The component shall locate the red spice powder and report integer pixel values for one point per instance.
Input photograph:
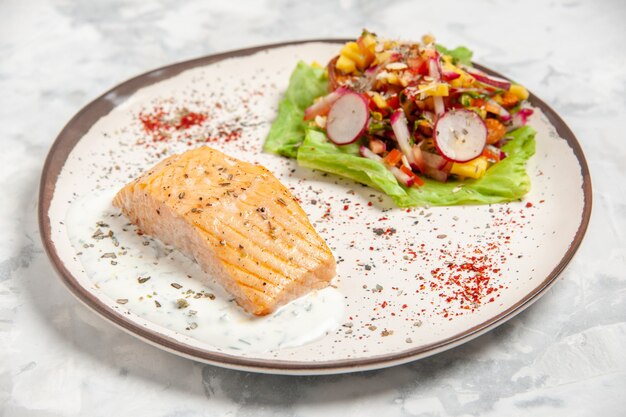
(467, 279)
(159, 124)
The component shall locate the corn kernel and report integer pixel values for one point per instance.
(392, 78)
(464, 81)
(345, 65)
(352, 51)
(369, 42)
(475, 168)
(439, 89)
(382, 57)
(428, 38)
(380, 102)
(390, 44)
(519, 91)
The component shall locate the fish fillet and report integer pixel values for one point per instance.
(241, 225)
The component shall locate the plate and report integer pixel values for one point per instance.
(410, 283)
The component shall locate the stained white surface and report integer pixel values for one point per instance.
(563, 357)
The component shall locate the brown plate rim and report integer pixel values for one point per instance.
(88, 115)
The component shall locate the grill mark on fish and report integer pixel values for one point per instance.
(262, 249)
(290, 265)
(265, 258)
(307, 237)
(272, 284)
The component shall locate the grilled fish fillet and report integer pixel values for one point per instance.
(241, 225)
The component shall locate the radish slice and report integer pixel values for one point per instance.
(524, 114)
(347, 118)
(460, 135)
(322, 106)
(404, 178)
(400, 128)
(488, 79)
(520, 118)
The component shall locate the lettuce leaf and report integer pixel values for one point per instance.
(504, 181)
(460, 54)
(291, 136)
(318, 152)
(287, 131)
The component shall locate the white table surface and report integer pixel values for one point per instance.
(565, 356)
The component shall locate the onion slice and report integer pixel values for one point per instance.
(435, 73)
(322, 106)
(504, 114)
(487, 79)
(404, 178)
(400, 128)
(460, 135)
(347, 118)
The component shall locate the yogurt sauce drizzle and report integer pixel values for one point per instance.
(207, 313)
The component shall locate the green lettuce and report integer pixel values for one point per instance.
(288, 130)
(291, 136)
(460, 54)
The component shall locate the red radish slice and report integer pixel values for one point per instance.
(460, 135)
(400, 128)
(524, 114)
(322, 106)
(488, 79)
(347, 118)
(520, 118)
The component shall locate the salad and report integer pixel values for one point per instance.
(414, 120)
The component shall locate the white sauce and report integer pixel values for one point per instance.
(217, 321)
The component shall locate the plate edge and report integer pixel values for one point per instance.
(71, 134)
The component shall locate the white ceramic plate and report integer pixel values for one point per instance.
(403, 286)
